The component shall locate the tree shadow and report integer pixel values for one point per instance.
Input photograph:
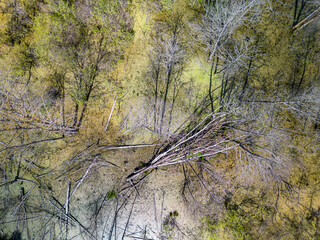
(16, 235)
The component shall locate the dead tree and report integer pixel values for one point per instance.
(216, 33)
(305, 12)
(162, 81)
(251, 134)
(89, 43)
(26, 109)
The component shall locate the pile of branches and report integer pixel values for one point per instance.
(207, 139)
(252, 133)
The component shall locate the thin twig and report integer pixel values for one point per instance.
(114, 103)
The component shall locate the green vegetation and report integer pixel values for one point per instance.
(111, 194)
(222, 98)
(231, 226)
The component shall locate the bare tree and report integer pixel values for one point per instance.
(91, 40)
(28, 109)
(163, 83)
(252, 134)
(217, 31)
(305, 12)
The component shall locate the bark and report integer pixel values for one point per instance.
(75, 118)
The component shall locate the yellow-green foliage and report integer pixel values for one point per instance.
(57, 43)
(231, 226)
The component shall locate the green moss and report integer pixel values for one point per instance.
(232, 226)
(111, 194)
(168, 232)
